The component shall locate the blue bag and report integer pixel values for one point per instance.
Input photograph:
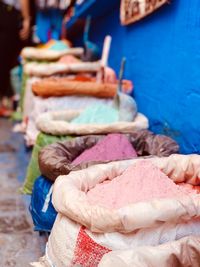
(41, 208)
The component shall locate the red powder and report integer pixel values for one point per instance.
(112, 147)
(140, 182)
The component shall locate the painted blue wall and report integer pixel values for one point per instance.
(163, 60)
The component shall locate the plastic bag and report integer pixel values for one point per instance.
(126, 106)
(33, 169)
(41, 208)
(56, 159)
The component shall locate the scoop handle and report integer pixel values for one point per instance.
(87, 29)
(121, 74)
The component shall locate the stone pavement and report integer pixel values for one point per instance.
(19, 245)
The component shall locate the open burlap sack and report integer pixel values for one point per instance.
(58, 123)
(84, 233)
(49, 69)
(56, 159)
(71, 86)
(38, 106)
(64, 87)
(71, 189)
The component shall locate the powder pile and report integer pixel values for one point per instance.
(58, 46)
(112, 147)
(100, 114)
(141, 182)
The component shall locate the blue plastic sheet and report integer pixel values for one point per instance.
(41, 208)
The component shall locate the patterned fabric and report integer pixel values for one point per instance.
(46, 4)
(14, 3)
(87, 252)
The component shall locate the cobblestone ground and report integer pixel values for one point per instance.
(19, 245)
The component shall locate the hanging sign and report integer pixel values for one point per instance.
(133, 10)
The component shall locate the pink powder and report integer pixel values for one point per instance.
(112, 147)
(140, 182)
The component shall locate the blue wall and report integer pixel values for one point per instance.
(163, 60)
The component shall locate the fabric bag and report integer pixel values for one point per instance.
(56, 159)
(58, 123)
(41, 54)
(33, 169)
(41, 105)
(52, 68)
(182, 253)
(144, 142)
(84, 233)
(75, 86)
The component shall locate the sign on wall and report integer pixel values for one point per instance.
(133, 10)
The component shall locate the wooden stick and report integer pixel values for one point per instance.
(106, 51)
(104, 58)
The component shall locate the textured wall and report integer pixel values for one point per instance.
(163, 60)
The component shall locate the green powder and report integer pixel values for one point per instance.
(58, 46)
(100, 114)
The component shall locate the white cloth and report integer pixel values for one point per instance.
(14, 3)
(61, 4)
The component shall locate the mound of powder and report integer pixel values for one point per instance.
(112, 147)
(58, 46)
(100, 114)
(141, 182)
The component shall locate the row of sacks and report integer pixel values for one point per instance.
(91, 245)
(67, 149)
(61, 158)
(35, 105)
(145, 232)
(52, 56)
(59, 125)
(126, 117)
(59, 80)
(114, 191)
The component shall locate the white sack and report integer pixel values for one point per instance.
(58, 123)
(182, 253)
(123, 230)
(49, 69)
(47, 54)
(41, 105)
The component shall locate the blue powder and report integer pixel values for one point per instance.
(100, 114)
(58, 46)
